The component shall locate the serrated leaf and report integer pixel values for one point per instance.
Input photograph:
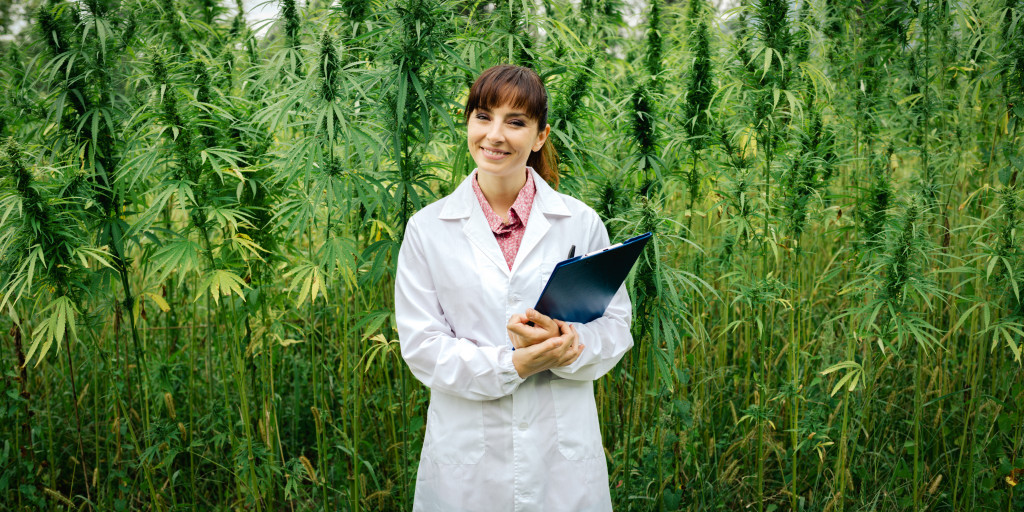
(60, 321)
(222, 282)
(160, 302)
(842, 381)
(309, 280)
(98, 255)
(840, 366)
(251, 247)
(179, 256)
(307, 283)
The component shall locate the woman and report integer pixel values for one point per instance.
(512, 423)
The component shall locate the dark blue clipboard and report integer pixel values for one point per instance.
(580, 288)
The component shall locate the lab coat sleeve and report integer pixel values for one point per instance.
(442, 362)
(606, 339)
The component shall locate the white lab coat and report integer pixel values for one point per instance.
(495, 442)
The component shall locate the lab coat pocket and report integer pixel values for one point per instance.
(547, 267)
(579, 435)
(545, 274)
(455, 430)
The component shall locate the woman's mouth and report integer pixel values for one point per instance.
(493, 154)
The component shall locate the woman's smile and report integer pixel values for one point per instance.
(501, 140)
(494, 154)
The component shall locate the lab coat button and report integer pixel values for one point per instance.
(523, 426)
(514, 298)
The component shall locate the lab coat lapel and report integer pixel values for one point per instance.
(463, 204)
(481, 236)
(536, 228)
(546, 202)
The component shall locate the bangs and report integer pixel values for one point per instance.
(517, 87)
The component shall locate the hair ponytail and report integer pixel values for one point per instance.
(545, 162)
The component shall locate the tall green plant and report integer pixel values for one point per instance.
(644, 133)
(654, 52)
(772, 107)
(84, 51)
(874, 205)
(697, 111)
(568, 116)
(417, 43)
(45, 233)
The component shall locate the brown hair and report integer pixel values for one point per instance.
(519, 88)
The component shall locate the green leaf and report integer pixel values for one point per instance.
(840, 366)
(1005, 174)
(180, 256)
(85, 254)
(1010, 343)
(53, 328)
(160, 302)
(309, 279)
(850, 379)
(222, 282)
(842, 381)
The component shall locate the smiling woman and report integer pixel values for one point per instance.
(512, 423)
(511, 102)
(501, 140)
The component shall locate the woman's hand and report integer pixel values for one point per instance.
(524, 335)
(561, 350)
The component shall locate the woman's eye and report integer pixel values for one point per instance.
(518, 123)
(481, 117)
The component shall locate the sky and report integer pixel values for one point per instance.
(259, 12)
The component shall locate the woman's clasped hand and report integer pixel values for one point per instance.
(548, 343)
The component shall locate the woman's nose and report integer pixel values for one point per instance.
(495, 133)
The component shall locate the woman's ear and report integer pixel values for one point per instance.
(542, 137)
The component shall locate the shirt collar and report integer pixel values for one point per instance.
(518, 214)
(461, 203)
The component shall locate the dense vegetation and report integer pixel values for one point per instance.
(199, 221)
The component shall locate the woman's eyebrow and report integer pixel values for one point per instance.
(510, 114)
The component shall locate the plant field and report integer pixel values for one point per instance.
(200, 218)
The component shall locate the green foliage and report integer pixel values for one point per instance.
(199, 222)
(292, 23)
(875, 203)
(655, 46)
(644, 125)
(810, 173)
(701, 88)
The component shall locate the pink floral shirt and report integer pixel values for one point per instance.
(509, 235)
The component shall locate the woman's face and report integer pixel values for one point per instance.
(501, 140)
